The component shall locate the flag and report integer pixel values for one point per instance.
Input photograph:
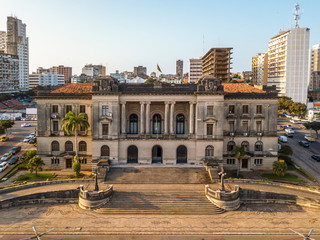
(158, 69)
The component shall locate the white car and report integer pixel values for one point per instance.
(289, 130)
(283, 139)
(25, 125)
(309, 138)
(27, 139)
(6, 157)
(3, 166)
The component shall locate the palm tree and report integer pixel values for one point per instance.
(35, 164)
(71, 123)
(238, 153)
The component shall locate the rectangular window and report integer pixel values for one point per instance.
(209, 110)
(231, 108)
(55, 125)
(258, 161)
(82, 108)
(82, 129)
(231, 126)
(259, 108)
(245, 109)
(105, 129)
(68, 108)
(54, 108)
(231, 161)
(259, 126)
(209, 129)
(105, 110)
(245, 126)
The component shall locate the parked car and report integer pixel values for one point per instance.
(32, 140)
(25, 125)
(294, 121)
(13, 160)
(3, 166)
(288, 134)
(289, 130)
(283, 139)
(5, 157)
(4, 139)
(309, 138)
(26, 139)
(316, 157)
(284, 127)
(15, 150)
(32, 134)
(304, 143)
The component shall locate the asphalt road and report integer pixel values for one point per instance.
(301, 155)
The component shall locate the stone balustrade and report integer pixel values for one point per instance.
(95, 199)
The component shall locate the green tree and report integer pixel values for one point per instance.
(286, 149)
(76, 166)
(298, 109)
(28, 155)
(150, 80)
(72, 123)
(279, 168)
(315, 126)
(238, 153)
(5, 124)
(284, 103)
(35, 164)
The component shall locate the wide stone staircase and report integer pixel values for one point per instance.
(160, 202)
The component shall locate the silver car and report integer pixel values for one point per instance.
(6, 157)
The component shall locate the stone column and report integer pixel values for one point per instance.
(191, 118)
(123, 118)
(148, 117)
(172, 118)
(166, 118)
(142, 117)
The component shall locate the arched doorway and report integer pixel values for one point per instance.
(156, 122)
(132, 154)
(157, 154)
(182, 154)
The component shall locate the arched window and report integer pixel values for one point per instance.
(156, 122)
(230, 146)
(82, 146)
(132, 154)
(209, 151)
(55, 146)
(105, 151)
(157, 154)
(258, 146)
(180, 124)
(182, 154)
(245, 145)
(69, 146)
(133, 124)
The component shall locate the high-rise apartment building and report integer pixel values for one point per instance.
(195, 70)
(288, 59)
(260, 69)
(140, 70)
(217, 62)
(17, 43)
(94, 70)
(315, 67)
(9, 72)
(179, 69)
(66, 71)
(3, 39)
(45, 79)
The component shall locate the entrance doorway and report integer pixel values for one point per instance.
(244, 163)
(182, 154)
(156, 154)
(132, 154)
(69, 163)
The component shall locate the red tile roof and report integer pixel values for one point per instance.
(2, 106)
(74, 88)
(240, 87)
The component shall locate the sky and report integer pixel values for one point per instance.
(121, 34)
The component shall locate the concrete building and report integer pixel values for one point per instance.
(195, 70)
(9, 72)
(3, 40)
(217, 62)
(139, 70)
(121, 77)
(94, 70)
(314, 67)
(45, 79)
(260, 69)
(17, 43)
(66, 71)
(145, 124)
(288, 63)
(179, 69)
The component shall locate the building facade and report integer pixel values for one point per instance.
(45, 79)
(260, 69)
(140, 70)
(195, 70)
(160, 124)
(288, 63)
(217, 62)
(179, 69)
(66, 71)
(9, 72)
(3, 40)
(94, 70)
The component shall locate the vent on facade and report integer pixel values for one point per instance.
(245, 134)
(232, 134)
(259, 133)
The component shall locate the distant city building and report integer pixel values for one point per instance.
(217, 62)
(17, 44)
(45, 79)
(140, 70)
(9, 72)
(260, 69)
(153, 75)
(66, 71)
(179, 69)
(246, 76)
(75, 79)
(85, 78)
(315, 58)
(195, 70)
(94, 70)
(315, 80)
(288, 63)
(3, 37)
(136, 80)
(128, 75)
(119, 76)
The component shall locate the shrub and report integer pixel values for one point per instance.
(286, 158)
(286, 149)
(22, 178)
(77, 168)
(279, 168)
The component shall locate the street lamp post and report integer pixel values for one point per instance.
(96, 187)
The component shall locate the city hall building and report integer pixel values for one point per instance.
(160, 124)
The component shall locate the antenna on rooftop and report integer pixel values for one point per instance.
(296, 14)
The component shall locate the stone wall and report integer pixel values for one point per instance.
(227, 200)
(93, 200)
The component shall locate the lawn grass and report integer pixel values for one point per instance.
(33, 177)
(287, 178)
